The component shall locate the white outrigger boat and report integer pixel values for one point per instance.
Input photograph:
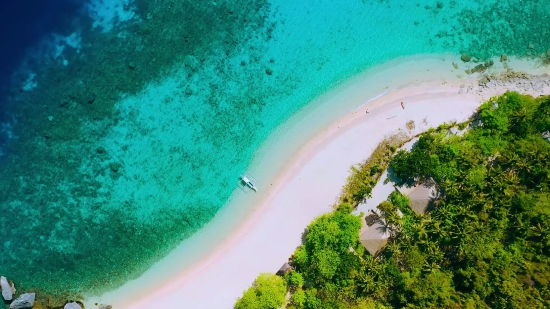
(247, 182)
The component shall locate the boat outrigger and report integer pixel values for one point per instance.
(247, 182)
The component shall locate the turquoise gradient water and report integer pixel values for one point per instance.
(93, 193)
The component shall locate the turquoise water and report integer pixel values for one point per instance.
(132, 141)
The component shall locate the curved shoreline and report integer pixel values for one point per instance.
(271, 230)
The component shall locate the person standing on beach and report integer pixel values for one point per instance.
(402, 105)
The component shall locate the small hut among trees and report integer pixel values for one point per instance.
(422, 197)
(375, 237)
(285, 269)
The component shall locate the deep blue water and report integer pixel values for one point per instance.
(23, 24)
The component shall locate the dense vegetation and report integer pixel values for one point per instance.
(268, 291)
(364, 176)
(485, 244)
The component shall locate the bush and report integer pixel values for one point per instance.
(463, 125)
(299, 298)
(249, 300)
(374, 170)
(345, 208)
(267, 292)
(364, 176)
(401, 201)
(295, 279)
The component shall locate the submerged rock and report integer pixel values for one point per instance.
(503, 57)
(480, 68)
(465, 58)
(25, 301)
(37, 305)
(105, 307)
(72, 305)
(115, 166)
(7, 289)
(90, 98)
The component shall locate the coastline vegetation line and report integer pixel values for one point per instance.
(364, 176)
(484, 243)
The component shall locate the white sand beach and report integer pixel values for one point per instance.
(303, 170)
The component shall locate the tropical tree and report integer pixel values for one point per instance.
(267, 292)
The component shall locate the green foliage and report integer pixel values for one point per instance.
(387, 207)
(299, 298)
(401, 201)
(312, 301)
(374, 170)
(326, 254)
(389, 212)
(345, 208)
(295, 279)
(364, 176)
(494, 120)
(249, 300)
(267, 292)
(485, 245)
(463, 125)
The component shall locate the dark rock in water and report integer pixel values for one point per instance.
(480, 68)
(131, 65)
(72, 305)
(105, 307)
(101, 150)
(115, 167)
(489, 63)
(474, 59)
(25, 301)
(7, 289)
(64, 103)
(269, 71)
(455, 66)
(90, 98)
(503, 57)
(465, 58)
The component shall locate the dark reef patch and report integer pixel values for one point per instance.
(517, 28)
